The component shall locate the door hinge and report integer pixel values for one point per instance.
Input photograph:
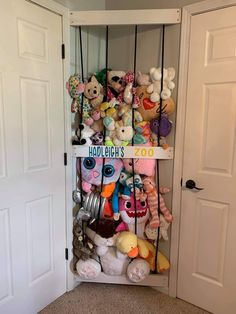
(181, 182)
(66, 254)
(63, 51)
(65, 159)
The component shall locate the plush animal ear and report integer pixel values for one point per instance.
(93, 79)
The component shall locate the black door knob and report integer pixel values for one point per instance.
(190, 184)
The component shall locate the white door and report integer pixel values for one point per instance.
(32, 178)
(207, 256)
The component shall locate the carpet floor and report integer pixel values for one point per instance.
(91, 298)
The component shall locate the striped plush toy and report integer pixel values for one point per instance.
(152, 200)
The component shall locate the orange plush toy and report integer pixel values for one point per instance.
(152, 199)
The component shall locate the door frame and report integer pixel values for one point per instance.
(187, 13)
(64, 13)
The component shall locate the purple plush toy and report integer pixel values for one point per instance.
(161, 128)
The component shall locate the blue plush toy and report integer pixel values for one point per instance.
(124, 187)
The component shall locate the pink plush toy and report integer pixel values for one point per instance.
(141, 166)
(92, 173)
(152, 199)
(127, 212)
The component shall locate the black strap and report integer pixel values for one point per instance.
(80, 131)
(133, 126)
(104, 130)
(81, 113)
(157, 162)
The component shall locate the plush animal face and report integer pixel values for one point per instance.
(127, 210)
(92, 88)
(127, 243)
(116, 80)
(141, 166)
(161, 128)
(97, 138)
(124, 133)
(151, 110)
(92, 170)
(148, 184)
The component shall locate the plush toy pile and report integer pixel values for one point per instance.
(117, 109)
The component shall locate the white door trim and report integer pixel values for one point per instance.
(64, 13)
(187, 13)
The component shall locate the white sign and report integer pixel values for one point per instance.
(122, 152)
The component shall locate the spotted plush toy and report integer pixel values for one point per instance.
(75, 88)
(92, 173)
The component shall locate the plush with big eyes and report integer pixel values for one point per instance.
(92, 169)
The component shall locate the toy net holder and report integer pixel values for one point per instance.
(95, 203)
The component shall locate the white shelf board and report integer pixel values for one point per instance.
(125, 17)
(153, 280)
(122, 152)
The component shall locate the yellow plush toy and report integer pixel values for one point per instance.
(128, 243)
(162, 262)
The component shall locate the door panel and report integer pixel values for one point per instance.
(207, 256)
(32, 175)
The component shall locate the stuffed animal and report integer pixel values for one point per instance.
(101, 76)
(75, 88)
(116, 85)
(128, 213)
(118, 134)
(143, 79)
(151, 110)
(162, 262)
(89, 269)
(93, 91)
(142, 133)
(124, 187)
(152, 200)
(130, 114)
(141, 166)
(130, 96)
(83, 135)
(97, 138)
(151, 233)
(92, 173)
(138, 270)
(83, 250)
(160, 127)
(113, 262)
(154, 89)
(129, 243)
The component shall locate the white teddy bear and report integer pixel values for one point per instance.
(155, 87)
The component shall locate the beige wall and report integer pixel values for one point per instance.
(147, 4)
(83, 4)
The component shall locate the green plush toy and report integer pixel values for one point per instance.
(101, 76)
